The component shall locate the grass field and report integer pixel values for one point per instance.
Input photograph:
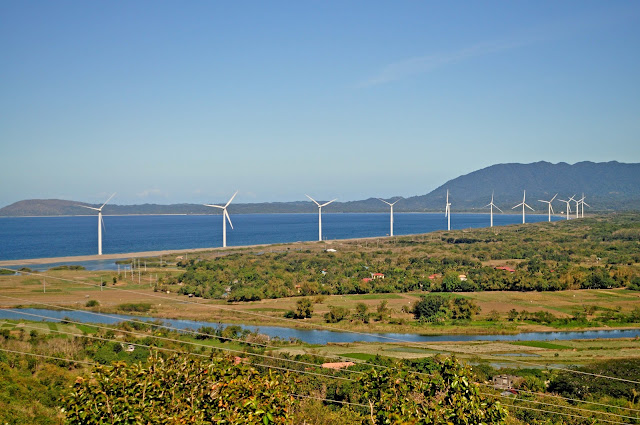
(72, 289)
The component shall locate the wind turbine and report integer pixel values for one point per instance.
(225, 214)
(492, 205)
(100, 221)
(583, 204)
(447, 211)
(320, 214)
(524, 204)
(577, 201)
(549, 202)
(391, 205)
(568, 202)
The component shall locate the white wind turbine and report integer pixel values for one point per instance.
(447, 211)
(491, 204)
(524, 204)
(391, 205)
(568, 202)
(583, 204)
(320, 214)
(550, 207)
(100, 221)
(577, 201)
(225, 215)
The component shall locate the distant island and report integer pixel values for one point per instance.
(608, 186)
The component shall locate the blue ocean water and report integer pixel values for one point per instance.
(40, 237)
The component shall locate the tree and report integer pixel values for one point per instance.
(362, 313)
(446, 396)
(430, 307)
(304, 308)
(180, 389)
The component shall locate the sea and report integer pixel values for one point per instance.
(45, 237)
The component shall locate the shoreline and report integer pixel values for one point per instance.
(157, 253)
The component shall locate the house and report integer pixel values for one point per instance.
(504, 382)
(462, 277)
(298, 288)
(337, 365)
(507, 269)
(435, 276)
(377, 275)
(330, 250)
(367, 279)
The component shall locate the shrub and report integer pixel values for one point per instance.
(92, 303)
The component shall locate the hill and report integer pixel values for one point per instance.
(607, 186)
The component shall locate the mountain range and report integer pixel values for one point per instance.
(606, 185)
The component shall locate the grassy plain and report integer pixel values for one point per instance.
(73, 288)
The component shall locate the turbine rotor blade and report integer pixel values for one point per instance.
(114, 194)
(234, 195)
(379, 199)
(554, 197)
(551, 206)
(312, 199)
(214, 206)
(584, 203)
(226, 214)
(327, 203)
(90, 208)
(104, 228)
(529, 207)
(498, 208)
(519, 205)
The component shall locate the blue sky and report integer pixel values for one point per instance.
(167, 102)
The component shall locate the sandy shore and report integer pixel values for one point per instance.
(31, 261)
(77, 258)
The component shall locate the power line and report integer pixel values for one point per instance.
(331, 328)
(562, 406)
(563, 414)
(182, 342)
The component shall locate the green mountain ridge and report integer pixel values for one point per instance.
(606, 185)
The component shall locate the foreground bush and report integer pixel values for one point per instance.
(180, 389)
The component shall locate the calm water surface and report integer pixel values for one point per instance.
(41, 237)
(319, 336)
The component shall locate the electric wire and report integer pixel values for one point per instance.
(391, 339)
(137, 334)
(332, 328)
(563, 414)
(562, 406)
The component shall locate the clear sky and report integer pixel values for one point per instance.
(167, 101)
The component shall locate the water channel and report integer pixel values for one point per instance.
(313, 336)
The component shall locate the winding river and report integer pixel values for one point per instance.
(313, 336)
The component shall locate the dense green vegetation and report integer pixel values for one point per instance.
(595, 253)
(141, 379)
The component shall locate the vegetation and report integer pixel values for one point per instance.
(153, 384)
(582, 254)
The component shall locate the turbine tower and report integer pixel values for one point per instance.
(583, 204)
(100, 221)
(320, 214)
(568, 202)
(549, 202)
(577, 201)
(491, 204)
(524, 204)
(391, 205)
(447, 212)
(225, 215)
